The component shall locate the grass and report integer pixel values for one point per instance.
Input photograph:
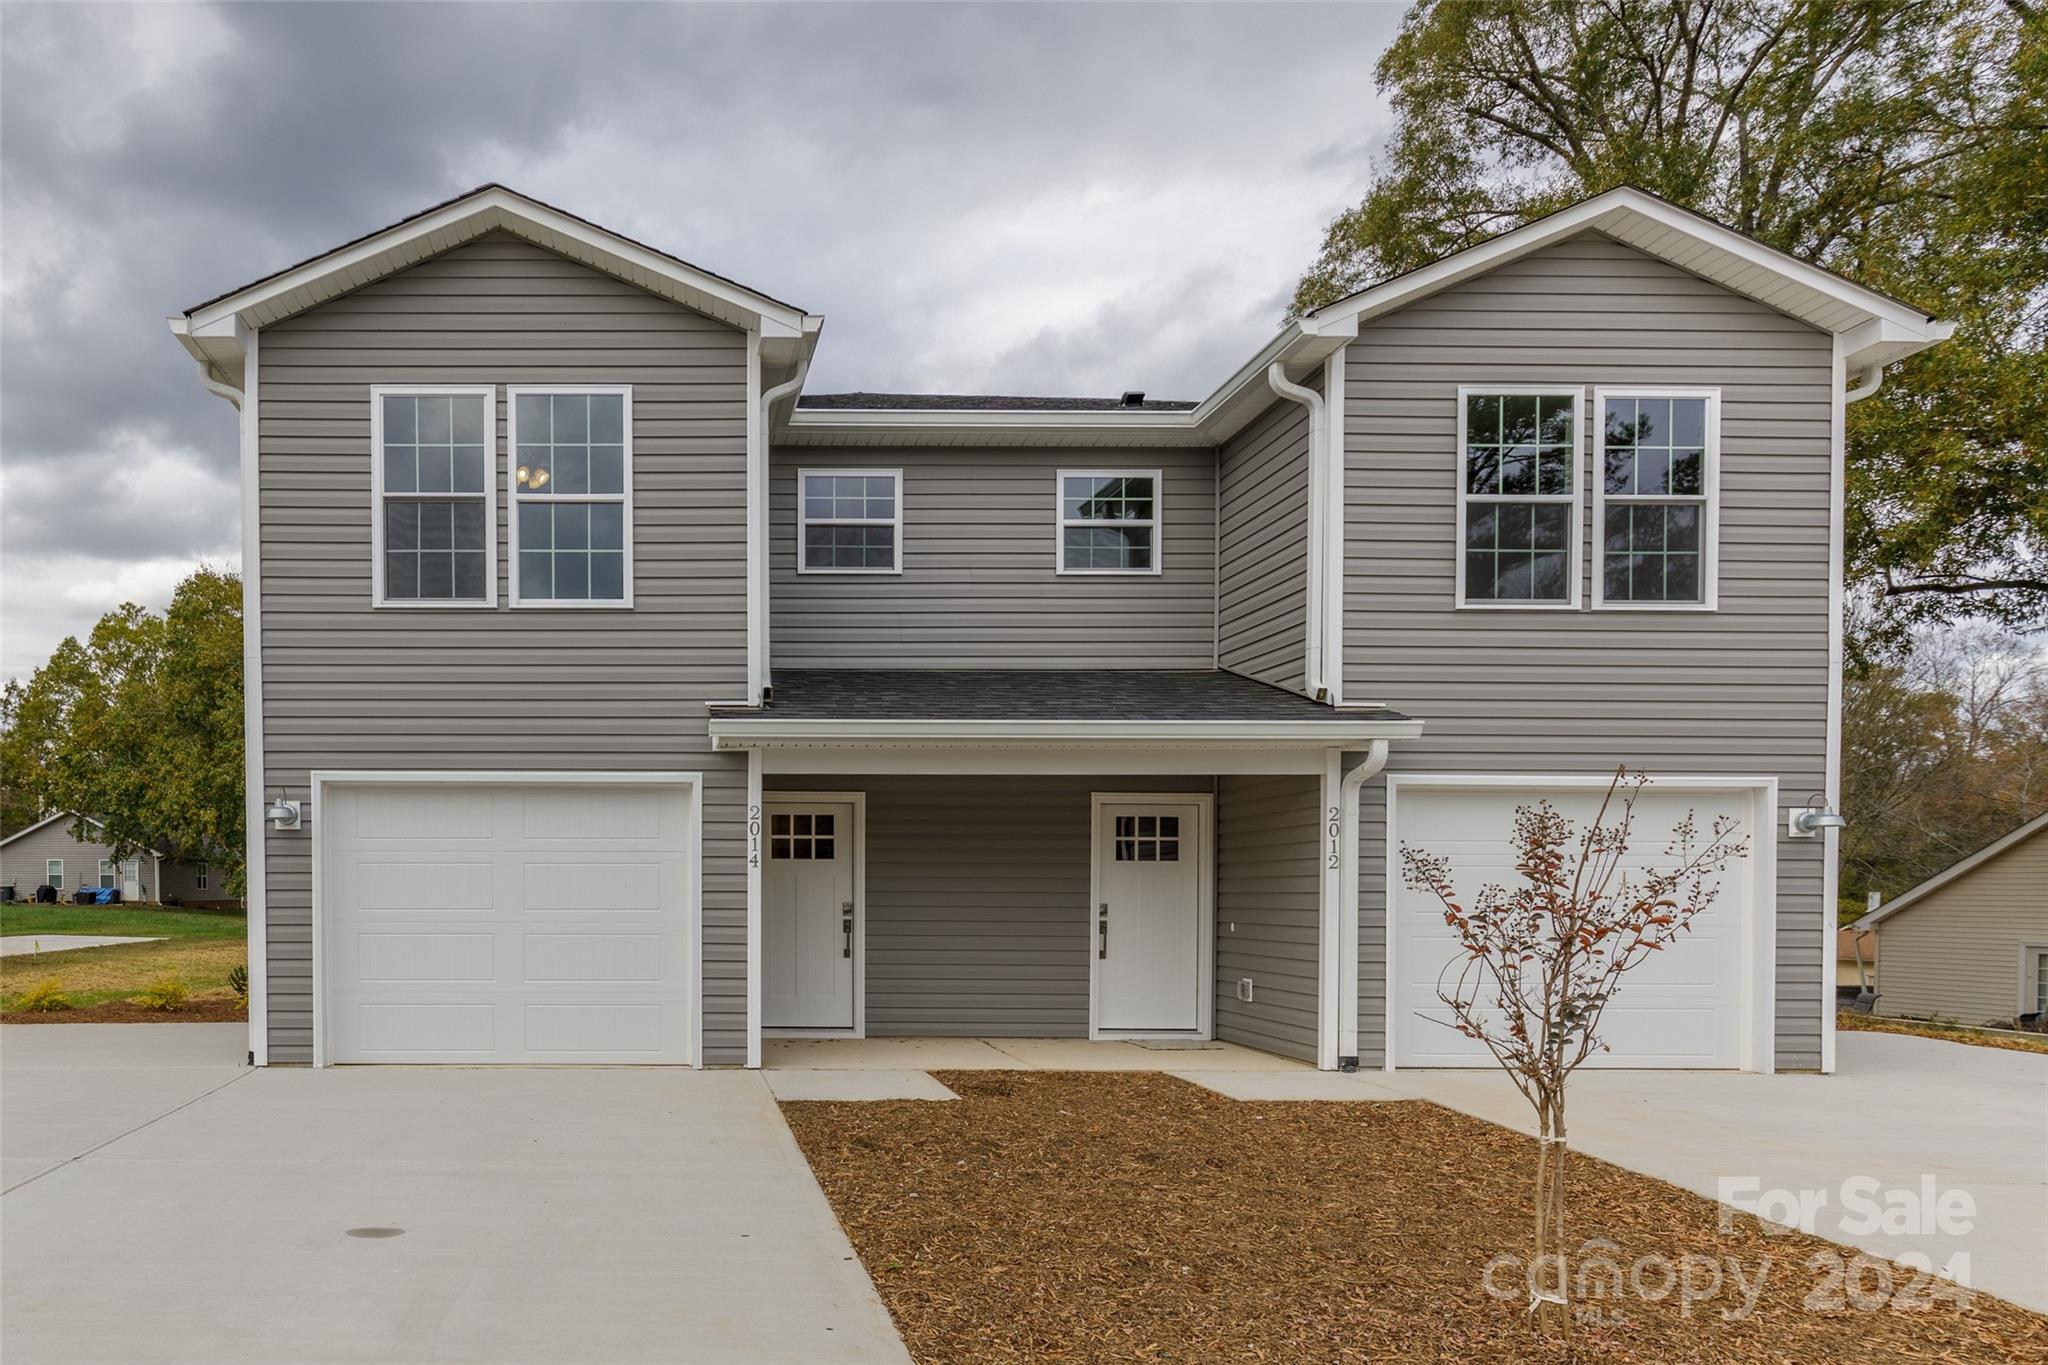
(1121, 1217)
(1948, 1033)
(198, 950)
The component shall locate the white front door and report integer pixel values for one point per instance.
(131, 881)
(808, 929)
(1148, 917)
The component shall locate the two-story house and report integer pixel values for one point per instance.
(613, 699)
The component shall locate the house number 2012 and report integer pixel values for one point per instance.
(1335, 829)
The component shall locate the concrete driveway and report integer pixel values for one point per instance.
(1899, 1111)
(164, 1203)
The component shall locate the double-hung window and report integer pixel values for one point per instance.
(53, 873)
(108, 877)
(1654, 504)
(572, 495)
(1109, 521)
(199, 882)
(1518, 497)
(850, 521)
(434, 525)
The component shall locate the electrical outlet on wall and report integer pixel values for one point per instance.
(1244, 988)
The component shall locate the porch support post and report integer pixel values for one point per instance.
(1330, 977)
(754, 855)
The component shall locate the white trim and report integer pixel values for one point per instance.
(514, 498)
(320, 780)
(1157, 522)
(54, 880)
(109, 875)
(858, 801)
(757, 538)
(492, 206)
(804, 520)
(255, 860)
(2029, 1000)
(488, 497)
(1758, 1000)
(1838, 607)
(1576, 570)
(1099, 803)
(1330, 915)
(1066, 761)
(1708, 499)
(1953, 872)
(744, 732)
(756, 821)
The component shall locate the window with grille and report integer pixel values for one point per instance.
(435, 532)
(1518, 498)
(1654, 503)
(1147, 838)
(572, 496)
(850, 521)
(1109, 522)
(802, 836)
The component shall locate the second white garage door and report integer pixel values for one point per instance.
(507, 923)
(1684, 1007)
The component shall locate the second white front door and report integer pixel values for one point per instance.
(1148, 917)
(808, 938)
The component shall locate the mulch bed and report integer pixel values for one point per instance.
(128, 1012)
(1864, 1023)
(1124, 1217)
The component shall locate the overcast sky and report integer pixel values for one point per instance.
(1024, 199)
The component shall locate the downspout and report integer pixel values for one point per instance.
(1347, 902)
(1868, 381)
(215, 387)
(759, 686)
(1318, 455)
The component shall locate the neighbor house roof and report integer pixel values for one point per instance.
(214, 331)
(1009, 706)
(1958, 871)
(1846, 944)
(49, 820)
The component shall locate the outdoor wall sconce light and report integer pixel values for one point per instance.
(1818, 815)
(282, 814)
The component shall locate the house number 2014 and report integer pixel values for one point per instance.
(753, 836)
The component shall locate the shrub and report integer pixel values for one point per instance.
(44, 997)
(238, 982)
(166, 993)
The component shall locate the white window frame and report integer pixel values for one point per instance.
(1576, 560)
(1061, 521)
(53, 873)
(1708, 499)
(513, 498)
(199, 882)
(2030, 965)
(110, 874)
(489, 495)
(804, 521)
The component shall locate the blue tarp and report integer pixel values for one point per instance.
(104, 896)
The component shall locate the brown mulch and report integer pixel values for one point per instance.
(128, 1012)
(1124, 1217)
(1864, 1023)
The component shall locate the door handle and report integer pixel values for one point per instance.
(846, 927)
(1102, 932)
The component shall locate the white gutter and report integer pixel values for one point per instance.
(1315, 679)
(218, 388)
(1868, 382)
(1347, 922)
(747, 732)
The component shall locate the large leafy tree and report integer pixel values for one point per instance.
(1900, 142)
(140, 726)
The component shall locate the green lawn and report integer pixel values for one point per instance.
(197, 947)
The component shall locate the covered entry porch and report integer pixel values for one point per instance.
(1146, 861)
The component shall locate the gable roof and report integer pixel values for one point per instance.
(213, 331)
(49, 820)
(1962, 869)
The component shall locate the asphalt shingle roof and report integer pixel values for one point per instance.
(977, 402)
(1037, 694)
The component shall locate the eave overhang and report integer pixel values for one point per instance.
(731, 731)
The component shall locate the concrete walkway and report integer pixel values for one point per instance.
(171, 1205)
(1899, 1110)
(19, 945)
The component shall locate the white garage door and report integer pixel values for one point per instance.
(543, 923)
(1682, 1007)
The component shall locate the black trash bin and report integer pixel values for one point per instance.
(46, 895)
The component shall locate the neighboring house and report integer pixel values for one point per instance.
(1971, 943)
(46, 854)
(636, 705)
(1855, 960)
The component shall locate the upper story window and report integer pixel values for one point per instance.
(434, 534)
(850, 521)
(572, 495)
(1109, 521)
(1518, 497)
(1654, 506)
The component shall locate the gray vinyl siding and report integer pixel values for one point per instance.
(1262, 569)
(1740, 691)
(980, 587)
(23, 863)
(1956, 952)
(181, 880)
(1268, 917)
(346, 686)
(977, 900)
